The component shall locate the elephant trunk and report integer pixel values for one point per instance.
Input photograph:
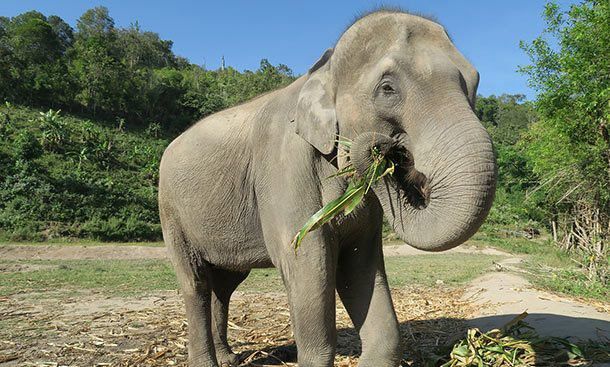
(443, 185)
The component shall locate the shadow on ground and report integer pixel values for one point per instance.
(421, 350)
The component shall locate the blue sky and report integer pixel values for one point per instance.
(296, 33)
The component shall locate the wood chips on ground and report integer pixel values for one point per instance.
(94, 330)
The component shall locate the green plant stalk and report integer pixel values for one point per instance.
(353, 195)
(511, 346)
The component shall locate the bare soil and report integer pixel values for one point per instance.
(114, 252)
(503, 295)
(78, 252)
(90, 330)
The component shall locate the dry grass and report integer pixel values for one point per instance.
(151, 331)
(93, 328)
(54, 314)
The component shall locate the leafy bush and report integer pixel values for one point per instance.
(27, 146)
(54, 130)
(86, 189)
(119, 229)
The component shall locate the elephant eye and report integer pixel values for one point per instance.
(387, 88)
(387, 91)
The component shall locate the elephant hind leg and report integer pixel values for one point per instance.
(224, 282)
(194, 278)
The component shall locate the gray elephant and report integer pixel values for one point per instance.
(235, 188)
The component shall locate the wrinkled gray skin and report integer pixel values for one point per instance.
(235, 188)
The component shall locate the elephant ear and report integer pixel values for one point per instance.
(316, 121)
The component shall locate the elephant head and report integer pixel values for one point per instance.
(396, 82)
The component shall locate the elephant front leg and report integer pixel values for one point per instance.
(364, 291)
(292, 194)
(309, 277)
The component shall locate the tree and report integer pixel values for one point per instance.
(33, 38)
(144, 49)
(124, 73)
(34, 50)
(506, 116)
(96, 63)
(63, 32)
(5, 60)
(95, 23)
(569, 147)
(487, 109)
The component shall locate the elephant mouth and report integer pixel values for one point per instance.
(439, 194)
(412, 185)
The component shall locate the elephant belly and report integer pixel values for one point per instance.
(230, 238)
(207, 180)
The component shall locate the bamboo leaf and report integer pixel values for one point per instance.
(353, 195)
(328, 212)
(345, 171)
(345, 143)
(354, 203)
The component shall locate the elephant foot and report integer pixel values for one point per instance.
(227, 359)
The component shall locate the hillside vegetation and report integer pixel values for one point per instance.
(87, 116)
(69, 176)
(62, 176)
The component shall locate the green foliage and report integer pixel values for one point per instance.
(62, 176)
(27, 146)
(53, 128)
(518, 344)
(568, 148)
(100, 185)
(118, 228)
(554, 154)
(486, 109)
(31, 52)
(107, 72)
(569, 145)
(507, 117)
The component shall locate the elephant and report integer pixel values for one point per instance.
(236, 186)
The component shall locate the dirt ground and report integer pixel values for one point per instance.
(112, 252)
(80, 252)
(91, 329)
(503, 295)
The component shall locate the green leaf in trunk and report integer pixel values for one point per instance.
(353, 195)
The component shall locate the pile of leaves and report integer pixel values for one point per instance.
(518, 344)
